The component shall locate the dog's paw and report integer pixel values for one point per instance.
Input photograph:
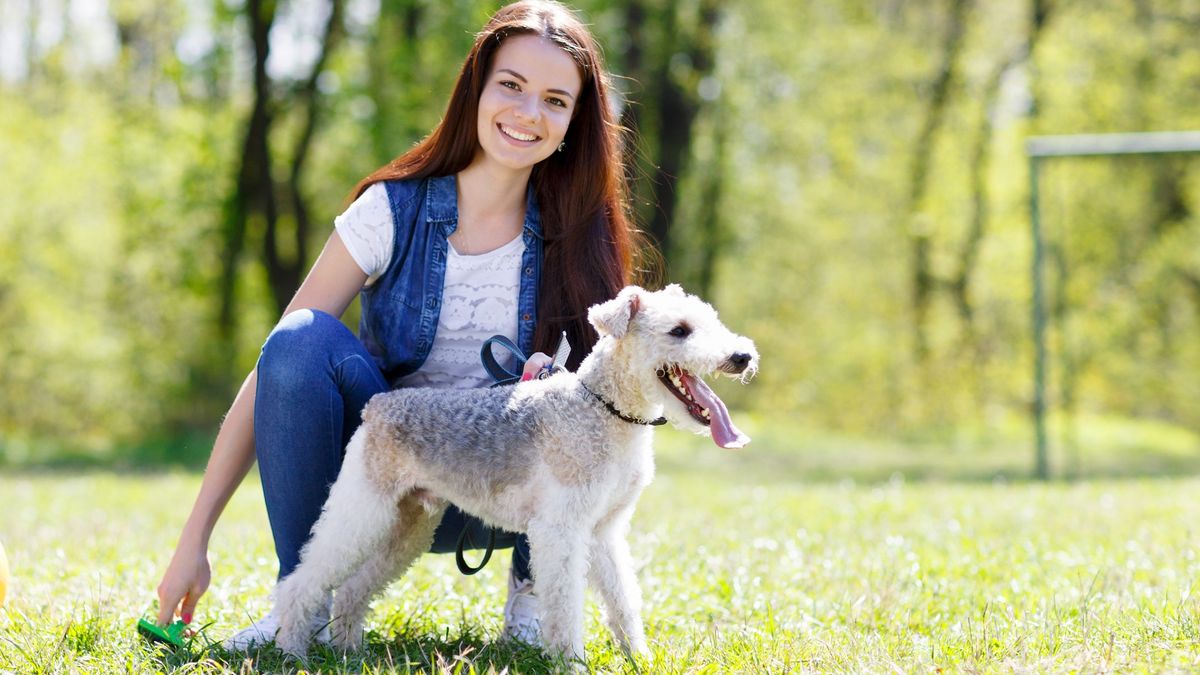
(637, 650)
(292, 643)
(346, 637)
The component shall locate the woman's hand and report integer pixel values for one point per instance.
(535, 363)
(330, 286)
(186, 579)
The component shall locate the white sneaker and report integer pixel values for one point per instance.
(522, 613)
(262, 632)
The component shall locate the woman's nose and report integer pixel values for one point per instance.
(528, 109)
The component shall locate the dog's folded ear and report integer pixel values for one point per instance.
(613, 317)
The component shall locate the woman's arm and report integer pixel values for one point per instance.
(330, 286)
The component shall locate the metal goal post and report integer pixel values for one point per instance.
(1044, 148)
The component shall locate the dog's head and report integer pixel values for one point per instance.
(670, 341)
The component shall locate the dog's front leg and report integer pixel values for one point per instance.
(558, 553)
(354, 522)
(611, 574)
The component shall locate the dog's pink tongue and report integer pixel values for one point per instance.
(724, 433)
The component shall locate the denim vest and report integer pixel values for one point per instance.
(400, 310)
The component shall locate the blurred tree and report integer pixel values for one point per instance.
(168, 166)
(980, 165)
(394, 62)
(919, 233)
(259, 199)
(670, 58)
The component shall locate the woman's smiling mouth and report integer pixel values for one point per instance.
(517, 135)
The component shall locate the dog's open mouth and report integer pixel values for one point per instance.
(703, 405)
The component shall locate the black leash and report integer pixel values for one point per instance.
(461, 560)
(498, 372)
(502, 376)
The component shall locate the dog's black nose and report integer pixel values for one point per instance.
(740, 360)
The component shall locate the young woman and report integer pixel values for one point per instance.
(508, 219)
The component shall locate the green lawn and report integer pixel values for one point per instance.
(747, 564)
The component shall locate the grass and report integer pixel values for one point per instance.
(804, 553)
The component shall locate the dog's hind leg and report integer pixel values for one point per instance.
(354, 522)
(558, 551)
(411, 535)
(611, 574)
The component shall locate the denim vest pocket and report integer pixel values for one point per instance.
(409, 291)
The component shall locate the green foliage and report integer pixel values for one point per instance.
(795, 208)
(816, 264)
(105, 274)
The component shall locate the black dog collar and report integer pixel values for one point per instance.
(626, 418)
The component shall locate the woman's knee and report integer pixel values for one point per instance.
(301, 345)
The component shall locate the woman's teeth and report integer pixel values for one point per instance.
(513, 133)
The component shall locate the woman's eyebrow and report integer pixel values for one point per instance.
(521, 77)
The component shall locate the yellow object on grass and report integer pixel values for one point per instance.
(3, 575)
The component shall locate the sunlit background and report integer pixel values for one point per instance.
(847, 182)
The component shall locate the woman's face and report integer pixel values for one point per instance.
(527, 102)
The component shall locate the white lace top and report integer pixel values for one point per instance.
(367, 231)
(479, 298)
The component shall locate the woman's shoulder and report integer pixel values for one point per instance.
(402, 198)
(402, 194)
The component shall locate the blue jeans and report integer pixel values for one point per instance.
(314, 377)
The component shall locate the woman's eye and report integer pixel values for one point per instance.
(557, 102)
(511, 85)
(679, 331)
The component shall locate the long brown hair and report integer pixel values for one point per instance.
(590, 243)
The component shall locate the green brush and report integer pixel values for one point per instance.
(172, 634)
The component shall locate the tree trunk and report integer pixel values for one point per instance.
(253, 194)
(678, 107)
(257, 198)
(285, 275)
(713, 237)
(960, 285)
(638, 103)
(1192, 281)
(923, 278)
(392, 66)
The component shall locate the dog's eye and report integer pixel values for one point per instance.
(680, 331)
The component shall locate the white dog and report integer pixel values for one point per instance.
(562, 459)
